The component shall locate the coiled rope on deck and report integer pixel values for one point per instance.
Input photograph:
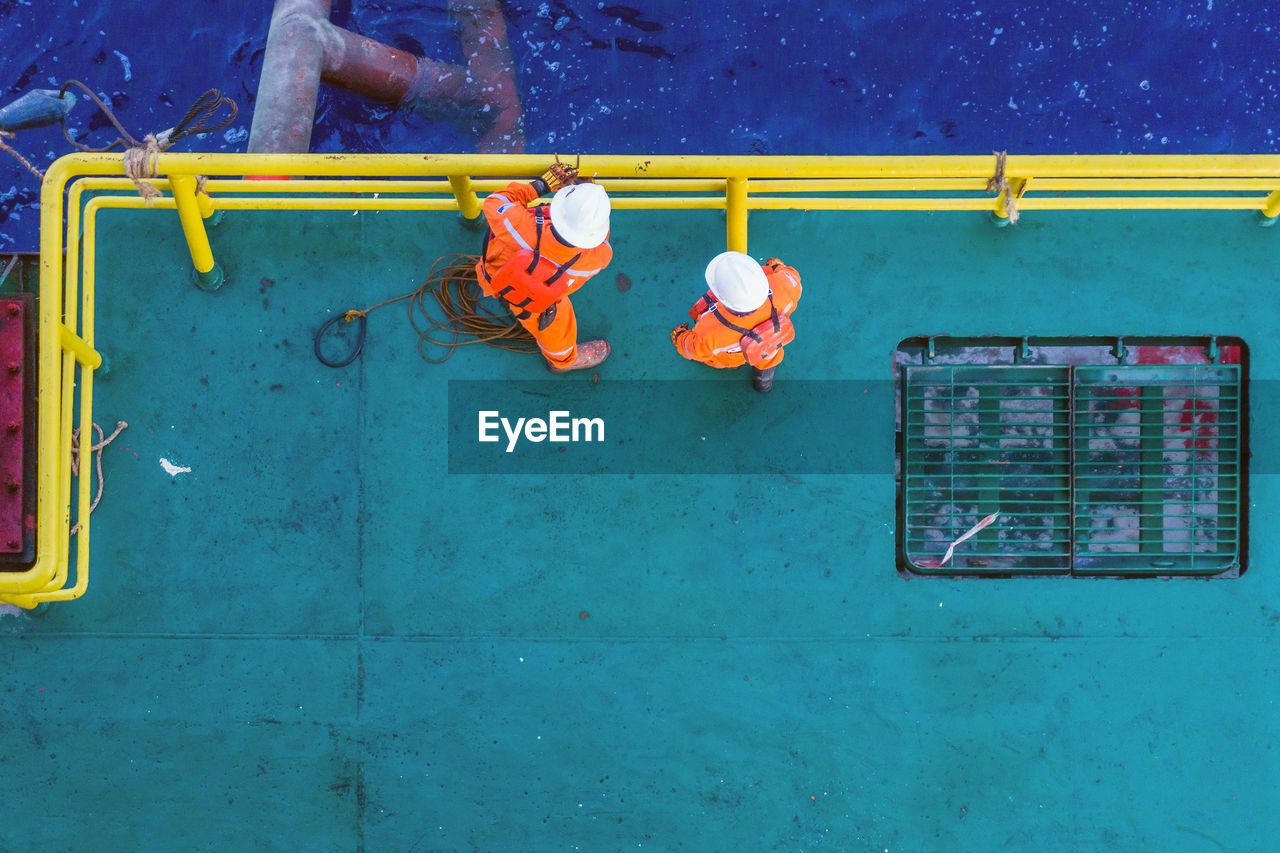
(468, 320)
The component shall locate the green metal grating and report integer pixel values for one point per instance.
(1157, 469)
(1128, 470)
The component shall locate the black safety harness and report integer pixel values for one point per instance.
(750, 333)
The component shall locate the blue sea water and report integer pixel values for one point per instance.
(673, 77)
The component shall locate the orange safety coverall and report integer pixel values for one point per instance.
(512, 223)
(713, 343)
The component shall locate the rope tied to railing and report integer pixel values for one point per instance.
(999, 184)
(75, 460)
(142, 162)
(142, 159)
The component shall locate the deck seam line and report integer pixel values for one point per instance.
(753, 638)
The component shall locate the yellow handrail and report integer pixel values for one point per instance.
(452, 182)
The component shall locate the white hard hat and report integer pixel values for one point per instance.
(580, 214)
(737, 281)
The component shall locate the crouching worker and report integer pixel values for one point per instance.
(533, 258)
(744, 318)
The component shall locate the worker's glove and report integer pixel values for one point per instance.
(675, 333)
(558, 175)
(774, 263)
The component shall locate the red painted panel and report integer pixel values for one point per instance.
(12, 428)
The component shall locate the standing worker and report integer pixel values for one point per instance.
(745, 318)
(533, 258)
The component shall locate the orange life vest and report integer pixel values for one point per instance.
(528, 282)
(700, 307)
(763, 341)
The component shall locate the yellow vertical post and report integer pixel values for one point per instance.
(1271, 207)
(208, 274)
(736, 214)
(1006, 209)
(468, 204)
(999, 212)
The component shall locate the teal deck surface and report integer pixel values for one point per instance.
(320, 639)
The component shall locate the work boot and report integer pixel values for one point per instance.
(762, 381)
(590, 353)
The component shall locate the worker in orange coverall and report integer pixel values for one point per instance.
(743, 296)
(570, 235)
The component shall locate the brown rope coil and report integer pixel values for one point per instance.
(467, 319)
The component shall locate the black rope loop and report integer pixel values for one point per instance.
(355, 352)
(198, 119)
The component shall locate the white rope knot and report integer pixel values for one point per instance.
(142, 162)
(75, 459)
(999, 184)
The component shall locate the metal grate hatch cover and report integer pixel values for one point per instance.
(1120, 469)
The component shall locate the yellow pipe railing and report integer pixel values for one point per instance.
(756, 185)
(452, 182)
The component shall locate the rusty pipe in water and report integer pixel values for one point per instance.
(383, 73)
(367, 67)
(304, 49)
(483, 32)
(285, 110)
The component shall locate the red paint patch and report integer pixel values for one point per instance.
(1199, 418)
(624, 282)
(1170, 355)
